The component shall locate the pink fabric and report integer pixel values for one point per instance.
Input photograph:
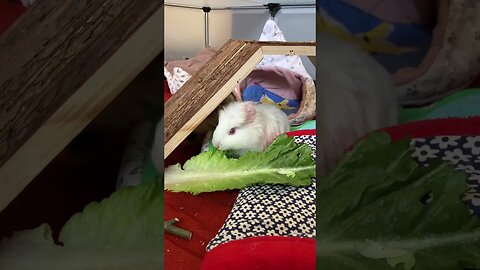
(280, 81)
(192, 65)
(394, 11)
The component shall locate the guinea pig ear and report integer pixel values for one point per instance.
(249, 110)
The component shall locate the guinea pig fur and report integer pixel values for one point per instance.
(355, 96)
(246, 126)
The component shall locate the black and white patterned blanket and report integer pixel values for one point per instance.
(278, 210)
(461, 151)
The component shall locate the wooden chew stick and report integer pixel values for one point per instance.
(200, 95)
(61, 63)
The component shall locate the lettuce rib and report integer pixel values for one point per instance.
(284, 162)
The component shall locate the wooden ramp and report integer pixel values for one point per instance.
(202, 93)
(61, 63)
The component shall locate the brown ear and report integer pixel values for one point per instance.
(249, 110)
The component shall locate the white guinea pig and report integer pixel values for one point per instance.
(246, 126)
(355, 97)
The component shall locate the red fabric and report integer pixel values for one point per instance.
(434, 127)
(184, 151)
(476, 83)
(263, 253)
(302, 132)
(203, 215)
(9, 12)
(166, 92)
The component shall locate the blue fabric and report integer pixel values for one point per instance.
(257, 93)
(312, 124)
(462, 104)
(358, 22)
(464, 107)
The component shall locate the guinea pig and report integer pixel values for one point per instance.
(355, 96)
(247, 126)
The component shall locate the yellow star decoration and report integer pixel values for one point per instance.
(372, 41)
(282, 105)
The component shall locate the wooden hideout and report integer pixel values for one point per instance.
(61, 64)
(205, 90)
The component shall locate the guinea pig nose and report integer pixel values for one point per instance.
(216, 144)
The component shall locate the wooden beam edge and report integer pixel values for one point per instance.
(81, 108)
(313, 59)
(309, 50)
(282, 43)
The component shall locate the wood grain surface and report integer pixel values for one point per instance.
(61, 63)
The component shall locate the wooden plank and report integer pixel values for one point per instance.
(60, 65)
(283, 43)
(309, 50)
(200, 95)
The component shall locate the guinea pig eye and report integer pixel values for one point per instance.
(231, 131)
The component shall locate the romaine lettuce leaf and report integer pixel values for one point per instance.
(284, 162)
(124, 231)
(378, 210)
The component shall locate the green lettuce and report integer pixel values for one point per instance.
(124, 231)
(378, 210)
(284, 162)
